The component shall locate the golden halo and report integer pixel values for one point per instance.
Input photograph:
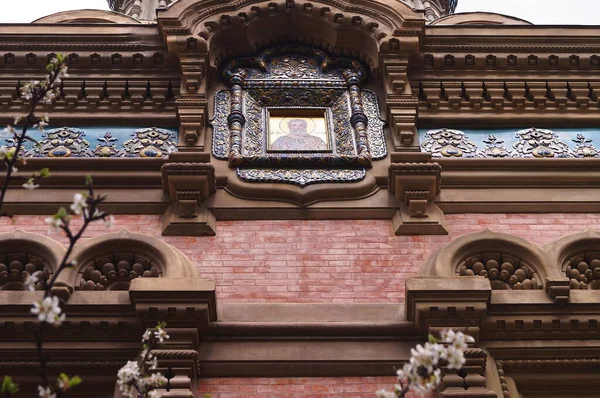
(310, 124)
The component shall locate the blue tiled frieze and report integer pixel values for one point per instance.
(511, 143)
(132, 142)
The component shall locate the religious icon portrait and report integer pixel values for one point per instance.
(292, 130)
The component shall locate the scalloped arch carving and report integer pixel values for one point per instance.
(109, 262)
(359, 29)
(23, 253)
(87, 16)
(577, 257)
(508, 261)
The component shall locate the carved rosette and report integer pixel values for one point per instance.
(583, 271)
(584, 147)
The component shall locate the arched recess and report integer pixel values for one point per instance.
(24, 253)
(508, 261)
(480, 18)
(87, 16)
(577, 257)
(360, 29)
(109, 262)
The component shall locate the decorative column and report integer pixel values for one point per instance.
(187, 305)
(358, 119)
(435, 304)
(236, 119)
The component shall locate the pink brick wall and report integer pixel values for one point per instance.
(319, 387)
(323, 261)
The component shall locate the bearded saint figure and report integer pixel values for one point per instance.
(298, 139)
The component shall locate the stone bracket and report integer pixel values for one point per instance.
(416, 183)
(188, 185)
(558, 289)
(192, 112)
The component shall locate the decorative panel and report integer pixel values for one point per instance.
(99, 142)
(294, 114)
(511, 143)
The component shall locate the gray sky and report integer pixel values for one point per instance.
(574, 12)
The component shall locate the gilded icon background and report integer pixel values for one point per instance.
(297, 132)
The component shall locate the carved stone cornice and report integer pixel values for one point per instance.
(189, 185)
(416, 185)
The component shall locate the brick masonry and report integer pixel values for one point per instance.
(323, 261)
(318, 387)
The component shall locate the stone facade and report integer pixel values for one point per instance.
(456, 186)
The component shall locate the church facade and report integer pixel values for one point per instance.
(304, 190)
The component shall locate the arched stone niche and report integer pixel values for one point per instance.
(109, 262)
(106, 262)
(24, 253)
(509, 262)
(87, 16)
(577, 257)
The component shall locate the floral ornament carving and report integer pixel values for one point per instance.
(538, 143)
(494, 148)
(115, 272)
(374, 126)
(150, 143)
(449, 143)
(62, 143)
(583, 270)
(17, 268)
(584, 147)
(503, 271)
(294, 67)
(106, 148)
(301, 177)
(220, 145)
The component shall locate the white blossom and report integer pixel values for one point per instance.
(30, 184)
(161, 335)
(152, 362)
(385, 394)
(48, 310)
(32, 280)
(109, 221)
(127, 376)
(9, 129)
(146, 336)
(45, 392)
(55, 222)
(79, 203)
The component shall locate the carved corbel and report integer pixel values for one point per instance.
(401, 104)
(192, 106)
(188, 185)
(416, 185)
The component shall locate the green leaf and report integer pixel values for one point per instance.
(161, 325)
(45, 172)
(432, 339)
(88, 179)
(75, 381)
(9, 386)
(50, 67)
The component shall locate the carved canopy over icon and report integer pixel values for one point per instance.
(294, 106)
